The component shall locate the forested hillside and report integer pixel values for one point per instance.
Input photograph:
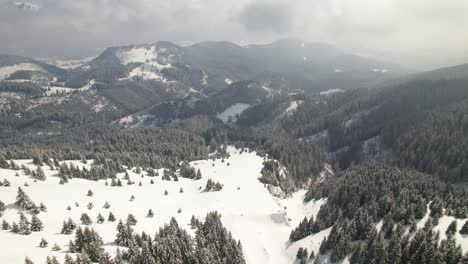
(420, 122)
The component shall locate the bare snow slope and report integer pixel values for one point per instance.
(8, 70)
(260, 221)
(231, 112)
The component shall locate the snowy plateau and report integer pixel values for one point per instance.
(261, 221)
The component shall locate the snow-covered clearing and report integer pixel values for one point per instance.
(148, 58)
(228, 115)
(58, 89)
(259, 220)
(67, 64)
(8, 70)
(331, 91)
(293, 106)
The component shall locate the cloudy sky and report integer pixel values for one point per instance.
(416, 33)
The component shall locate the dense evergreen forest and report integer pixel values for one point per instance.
(421, 122)
(360, 197)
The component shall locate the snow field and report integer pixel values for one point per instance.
(259, 220)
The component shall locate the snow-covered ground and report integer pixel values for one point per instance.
(228, 81)
(148, 58)
(59, 89)
(259, 220)
(331, 91)
(8, 70)
(231, 112)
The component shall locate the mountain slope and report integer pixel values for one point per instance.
(417, 124)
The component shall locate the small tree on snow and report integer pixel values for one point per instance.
(36, 224)
(100, 219)
(131, 220)
(150, 213)
(85, 219)
(111, 217)
(43, 243)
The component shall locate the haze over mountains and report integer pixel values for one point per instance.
(311, 154)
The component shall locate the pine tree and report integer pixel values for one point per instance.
(36, 224)
(90, 206)
(2, 208)
(106, 205)
(111, 217)
(150, 213)
(69, 259)
(71, 247)
(100, 219)
(124, 234)
(27, 260)
(23, 200)
(24, 225)
(56, 247)
(131, 220)
(464, 229)
(452, 228)
(85, 219)
(39, 174)
(90, 193)
(43, 243)
(5, 225)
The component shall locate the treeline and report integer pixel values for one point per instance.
(303, 162)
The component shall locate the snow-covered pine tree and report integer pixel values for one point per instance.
(43, 243)
(36, 224)
(111, 217)
(27, 260)
(42, 207)
(2, 208)
(464, 229)
(100, 219)
(56, 247)
(131, 220)
(150, 213)
(124, 234)
(5, 225)
(24, 225)
(85, 219)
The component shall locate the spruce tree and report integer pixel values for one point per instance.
(111, 217)
(85, 219)
(5, 225)
(150, 213)
(43, 243)
(464, 229)
(36, 224)
(451, 229)
(131, 220)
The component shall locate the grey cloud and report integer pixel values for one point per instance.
(392, 28)
(266, 16)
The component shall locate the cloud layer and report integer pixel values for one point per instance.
(422, 30)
